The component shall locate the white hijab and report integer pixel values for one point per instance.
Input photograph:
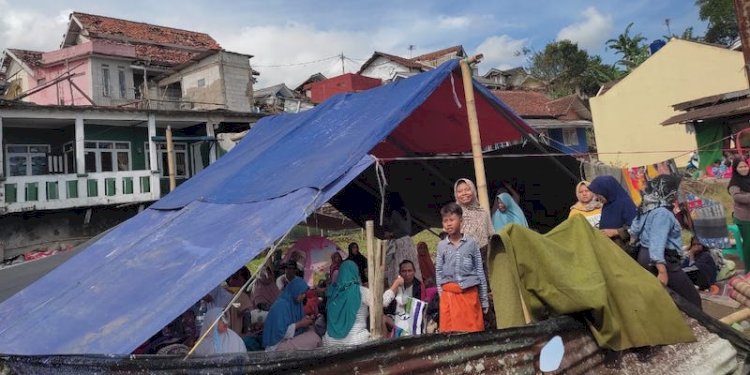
(216, 342)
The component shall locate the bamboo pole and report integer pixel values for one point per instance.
(736, 316)
(476, 141)
(170, 159)
(375, 281)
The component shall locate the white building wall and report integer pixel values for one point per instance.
(384, 69)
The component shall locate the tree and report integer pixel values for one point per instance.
(722, 20)
(561, 65)
(633, 49)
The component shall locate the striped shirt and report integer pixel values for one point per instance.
(461, 264)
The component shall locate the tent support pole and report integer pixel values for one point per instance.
(375, 284)
(476, 141)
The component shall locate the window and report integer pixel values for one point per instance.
(201, 82)
(121, 81)
(180, 159)
(27, 160)
(105, 80)
(570, 137)
(103, 156)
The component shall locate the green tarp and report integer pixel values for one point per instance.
(708, 137)
(575, 269)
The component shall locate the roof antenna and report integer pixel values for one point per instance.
(411, 49)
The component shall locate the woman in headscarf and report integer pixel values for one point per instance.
(286, 326)
(660, 237)
(426, 265)
(265, 291)
(739, 189)
(221, 339)
(347, 306)
(400, 245)
(333, 270)
(587, 205)
(476, 220)
(618, 210)
(361, 260)
(506, 211)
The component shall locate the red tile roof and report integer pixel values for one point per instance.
(161, 45)
(439, 53)
(526, 103)
(30, 58)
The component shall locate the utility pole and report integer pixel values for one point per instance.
(342, 63)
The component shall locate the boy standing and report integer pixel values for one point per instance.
(460, 277)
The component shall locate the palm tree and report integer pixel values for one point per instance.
(632, 48)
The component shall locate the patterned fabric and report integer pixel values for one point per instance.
(709, 221)
(409, 316)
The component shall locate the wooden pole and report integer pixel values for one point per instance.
(476, 141)
(375, 281)
(170, 159)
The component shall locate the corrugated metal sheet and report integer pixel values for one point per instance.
(508, 351)
(734, 108)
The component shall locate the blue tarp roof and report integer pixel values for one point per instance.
(118, 292)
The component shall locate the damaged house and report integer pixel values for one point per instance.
(83, 127)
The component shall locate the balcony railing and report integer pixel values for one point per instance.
(58, 191)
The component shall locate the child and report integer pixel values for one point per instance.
(460, 277)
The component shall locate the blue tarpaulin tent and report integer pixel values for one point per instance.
(122, 289)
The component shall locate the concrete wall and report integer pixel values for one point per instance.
(115, 97)
(627, 118)
(238, 81)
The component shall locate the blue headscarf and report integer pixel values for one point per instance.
(285, 311)
(619, 209)
(512, 214)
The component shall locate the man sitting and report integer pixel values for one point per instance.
(412, 288)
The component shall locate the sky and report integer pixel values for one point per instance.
(293, 39)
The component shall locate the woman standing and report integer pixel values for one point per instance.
(506, 211)
(476, 220)
(359, 259)
(618, 210)
(587, 206)
(400, 245)
(659, 234)
(739, 189)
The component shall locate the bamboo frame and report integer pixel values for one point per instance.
(476, 141)
(375, 280)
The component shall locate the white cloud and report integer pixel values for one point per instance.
(502, 52)
(453, 22)
(26, 29)
(280, 50)
(591, 32)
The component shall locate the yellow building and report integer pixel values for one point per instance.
(627, 116)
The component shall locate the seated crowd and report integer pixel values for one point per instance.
(282, 312)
